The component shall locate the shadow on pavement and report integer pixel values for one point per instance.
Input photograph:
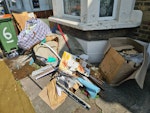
(130, 95)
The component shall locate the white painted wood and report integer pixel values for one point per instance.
(94, 49)
(124, 16)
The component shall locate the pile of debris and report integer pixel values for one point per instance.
(124, 59)
(71, 73)
(44, 48)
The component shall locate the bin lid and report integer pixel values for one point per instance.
(5, 17)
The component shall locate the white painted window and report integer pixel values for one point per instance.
(72, 8)
(107, 9)
(14, 3)
(35, 4)
(94, 16)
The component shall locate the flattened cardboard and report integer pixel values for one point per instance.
(140, 73)
(49, 95)
(21, 19)
(114, 67)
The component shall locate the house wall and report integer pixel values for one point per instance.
(143, 31)
(125, 16)
(95, 35)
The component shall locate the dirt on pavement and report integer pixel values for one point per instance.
(18, 71)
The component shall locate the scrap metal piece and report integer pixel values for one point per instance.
(99, 83)
(52, 50)
(46, 72)
(73, 96)
(42, 69)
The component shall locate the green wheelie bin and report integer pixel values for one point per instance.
(8, 37)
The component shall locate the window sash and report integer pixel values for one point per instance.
(108, 15)
(76, 11)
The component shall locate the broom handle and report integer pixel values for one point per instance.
(60, 30)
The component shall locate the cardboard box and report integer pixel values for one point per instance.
(114, 67)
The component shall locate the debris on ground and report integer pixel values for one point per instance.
(125, 59)
(96, 73)
(23, 72)
(71, 73)
(19, 67)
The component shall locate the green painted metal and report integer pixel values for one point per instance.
(8, 37)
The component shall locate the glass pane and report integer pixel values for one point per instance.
(72, 7)
(13, 2)
(106, 8)
(35, 3)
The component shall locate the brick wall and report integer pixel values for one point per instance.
(143, 31)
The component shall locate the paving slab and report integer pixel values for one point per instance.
(67, 107)
(31, 89)
(126, 98)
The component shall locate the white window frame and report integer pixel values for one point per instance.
(114, 14)
(71, 16)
